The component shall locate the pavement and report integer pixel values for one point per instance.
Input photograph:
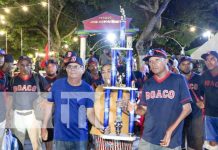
(28, 145)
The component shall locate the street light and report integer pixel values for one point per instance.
(75, 39)
(6, 39)
(44, 4)
(207, 34)
(192, 29)
(7, 10)
(111, 37)
(25, 8)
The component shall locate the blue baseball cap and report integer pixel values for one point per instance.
(185, 58)
(51, 61)
(158, 52)
(75, 59)
(2, 52)
(21, 58)
(214, 53)
(70, 54)
(9, 58)
(92, 60)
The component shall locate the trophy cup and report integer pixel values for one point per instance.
(116, 84)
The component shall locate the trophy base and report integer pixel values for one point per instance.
(121, 137)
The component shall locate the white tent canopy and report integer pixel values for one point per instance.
(211, 44)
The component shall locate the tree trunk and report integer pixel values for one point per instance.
(145, 40)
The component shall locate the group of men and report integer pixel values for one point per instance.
(169, 100)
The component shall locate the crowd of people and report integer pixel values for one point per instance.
(176, 108)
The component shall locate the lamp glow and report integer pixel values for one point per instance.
(25, 8)
(75, 39)
(111, 37)
(2, 32)
(2, 17)
(207, 34)
(7, 10)
(192, 29)
(3, 22)
(44, 4)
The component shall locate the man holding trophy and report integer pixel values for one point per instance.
(166, 102)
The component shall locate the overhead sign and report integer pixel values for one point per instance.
(105, 21)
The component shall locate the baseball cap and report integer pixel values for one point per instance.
(70, 54)
(185, 58)
(75, 59)
(2, 52)
(92, 60)
(24, 58)
(50, 61)
(158, 52)
(214, 53)
(9, 58)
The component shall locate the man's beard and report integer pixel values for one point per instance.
(25, 72)
(185, 72)
(51, 74)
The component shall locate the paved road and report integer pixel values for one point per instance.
(28, 145)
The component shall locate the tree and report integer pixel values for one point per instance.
(65, 19)
(152, 17)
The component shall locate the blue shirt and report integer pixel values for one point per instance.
(164, 99)
(209, 86)
(71, 103)
(194, 88)
(2, 98)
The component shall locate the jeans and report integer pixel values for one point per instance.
(144, 145)
(63, 145)
(193, 132)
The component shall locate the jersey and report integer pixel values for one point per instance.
(139, 77)
(2, 94)
(50, 80)
(25, 91)
(71, 103)
(194, 88)
(95, 81)
(164, 100)
(209, 86)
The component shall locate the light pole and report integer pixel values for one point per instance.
(6, 42)
(21, 42)
(49, 32)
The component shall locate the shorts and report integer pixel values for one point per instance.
(211, 128)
